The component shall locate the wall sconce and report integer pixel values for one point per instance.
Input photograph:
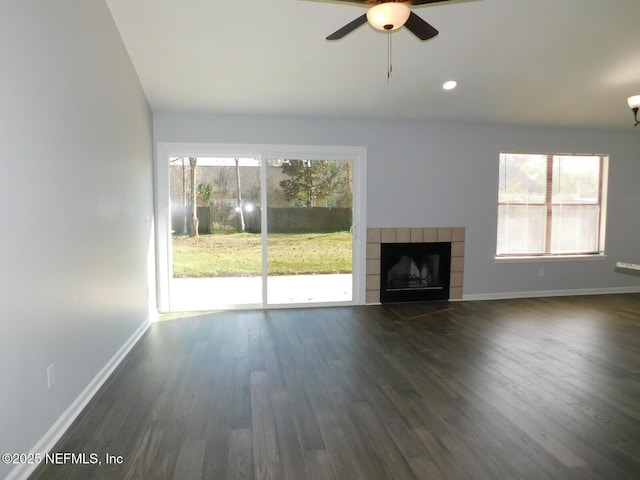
(634, 104)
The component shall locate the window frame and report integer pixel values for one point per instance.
(548, 205)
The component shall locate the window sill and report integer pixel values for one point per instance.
(552, 258)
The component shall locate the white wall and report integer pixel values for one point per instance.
(76, 189)
(429, 174)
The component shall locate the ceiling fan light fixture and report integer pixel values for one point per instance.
(388, 16)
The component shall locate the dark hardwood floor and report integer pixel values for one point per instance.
(543, 388)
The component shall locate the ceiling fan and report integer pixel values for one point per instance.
(388, 15)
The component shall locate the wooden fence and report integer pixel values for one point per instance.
(279, 220)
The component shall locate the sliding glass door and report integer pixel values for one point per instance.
(309, 241)
(216, 248)
(259, 230)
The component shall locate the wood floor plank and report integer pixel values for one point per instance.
(301, 411)
(341, 455)
(190, 460)
(288, 438)
(341, 452)
(393, 460)
(146, 460)
(219, 417)
(240, 455)
(266, 453)
(352, 428)
(319, 465)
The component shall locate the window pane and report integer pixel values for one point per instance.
(522, 178)
(576, 179)
(551, 204)
(574, 229)
(521, 229)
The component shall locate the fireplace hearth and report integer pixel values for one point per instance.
(415, 272)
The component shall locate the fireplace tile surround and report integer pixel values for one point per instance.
(377, 236)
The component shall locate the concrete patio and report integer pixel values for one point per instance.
(198, 294)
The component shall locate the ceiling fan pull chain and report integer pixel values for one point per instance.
(389, 57)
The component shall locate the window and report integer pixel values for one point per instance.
(551, 204)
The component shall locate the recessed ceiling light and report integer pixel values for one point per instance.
(450, 85)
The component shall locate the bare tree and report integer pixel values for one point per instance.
(193, 161)
(184, 196)
(240, 210)
(179, 162)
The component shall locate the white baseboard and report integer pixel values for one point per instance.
(550, 293)
(539, 293)
(49, 440)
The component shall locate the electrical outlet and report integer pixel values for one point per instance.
(51, 375)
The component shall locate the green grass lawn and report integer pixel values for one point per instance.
(238, 254)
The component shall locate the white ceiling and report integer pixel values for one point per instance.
(526, 62)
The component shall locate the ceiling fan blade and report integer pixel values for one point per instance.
(372, 3)
(361, 1)
(420, 28)
(348, 28)
(424, 2)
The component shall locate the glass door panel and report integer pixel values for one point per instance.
(221, 265)
(309, 241)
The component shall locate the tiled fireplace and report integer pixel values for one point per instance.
(377, 236)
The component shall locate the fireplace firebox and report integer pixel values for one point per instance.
(415, 272)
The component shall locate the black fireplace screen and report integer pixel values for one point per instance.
(415, 272)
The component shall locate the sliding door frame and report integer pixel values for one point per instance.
(358, 155)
